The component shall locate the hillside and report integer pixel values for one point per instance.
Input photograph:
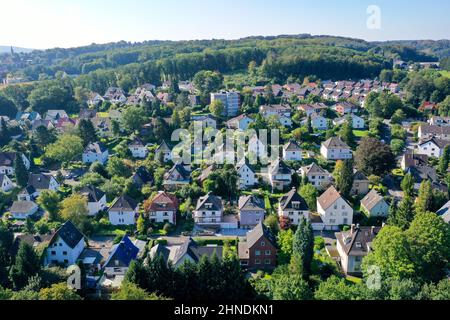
(7, 49)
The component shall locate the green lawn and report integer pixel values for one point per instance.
(445, 73)
(38, 161)
(361, 133)
(103, 114)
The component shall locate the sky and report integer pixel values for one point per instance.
(41, 24)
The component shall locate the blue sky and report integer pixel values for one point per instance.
(66, 23)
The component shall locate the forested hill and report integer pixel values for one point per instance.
(280, 57)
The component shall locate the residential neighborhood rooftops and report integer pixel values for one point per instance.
(358, 240)
(293, 200)
(335, 143)
(69, 234)
(371, 200)
(214, 203)
(124, 203)
(259, 231)
(251, 203)
(329, 197)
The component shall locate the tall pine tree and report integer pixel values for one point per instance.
(20, 171)
(303, 249)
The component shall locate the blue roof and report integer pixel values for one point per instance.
(124, 252)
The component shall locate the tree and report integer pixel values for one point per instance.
(272, 223)
(58, 292)
(20, 171)
(383, 104)
(75, 209)
(67, 148)
(424, 201)
(217, 108)
(374, 157)
(303, 249)
(26, 265)
(346, 133)
(407, 185)
(6, 243)
(309, 125)
(140, 224)
(208, 81)
(439, 291)
(343, 175)
(392, 254)
(398, 117)
(336, 289)
(130, 291)
(429, 238)
(285, 242)
(290, 288)
(49, 201)
(397, 146)
(444, 107)
(43, 136)
(86, 131)
(310, 194)
(403, 215)
(117, 167)
(133, 118)
(444, 161)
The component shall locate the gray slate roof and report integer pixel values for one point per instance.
(251, 203)
(69, 234)
(216, 202)
(292, 196)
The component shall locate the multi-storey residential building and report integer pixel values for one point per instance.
(334, 210)
(230, 100)
(209, 210)
(294, 207)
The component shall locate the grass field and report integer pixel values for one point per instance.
(361, 133)
(445, 73)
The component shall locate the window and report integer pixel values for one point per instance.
(267, 261)
(267, 252)
(53, 253)
(257, 252)
(263, 244)
(65, 253)
(257, 261)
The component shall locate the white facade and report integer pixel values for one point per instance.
(7, 184)
(381, 209)
(318, 180)
(247, 177)
(430, 149)
(10, 169)
(292, 155)
(122, 218)
(96, 207)
(139, 152)
(336, 153)
(230, 100)
(91, 157)
(256, 147)
(319, 123)
(24, 215)
(296, 216)
(163, 216)
(61, 253)
(339, 213)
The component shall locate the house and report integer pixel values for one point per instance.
(38, 182)
(36, 241)
(256, 148)
(120, 258)
(294, 207)
(95, 152)
(7, 160)
(360, 185)
(177, 177)
(123, 211)
(247, 176)
(316, 175)
(142, 177)
(66, 246)
(87, 114)
(318, 122)
(356, 122)
(344, 108)
(115, 115)
(187, 251)
(433, 147)
(65, 125)
(55, 115)
(163, 208)
(413, 160)
(283, 112)
(439, 121)
(21, 210)
(259, 250)
(163, 152)
(207, 121)
(424, 172)
(95, 99)
(6, 184)
(444, 212)
(96, 199)
(374, 205)
(292, 151)
(310, 109)
(252, 211)
(138, 149)
(230, 101)
(353, 246)
(115, 95)
(209, 210)
(280, 175)
(334, 210)
(427, 132)
(24, 117)
(241, 122)
(336, 149)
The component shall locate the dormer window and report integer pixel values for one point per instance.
(359, 245)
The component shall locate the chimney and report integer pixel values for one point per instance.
(353, 229)
(372, 230)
